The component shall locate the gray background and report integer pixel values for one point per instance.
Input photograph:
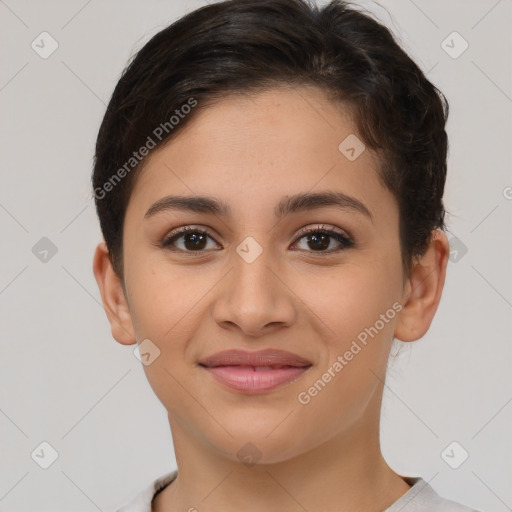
(64, 380)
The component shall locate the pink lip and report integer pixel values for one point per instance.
(241, 370)
(267, 357)
(251, 380)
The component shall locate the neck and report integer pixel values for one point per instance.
(345, 473)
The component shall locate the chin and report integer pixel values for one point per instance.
(251, 445)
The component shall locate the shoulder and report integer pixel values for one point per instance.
(141, 502)
(421, 497)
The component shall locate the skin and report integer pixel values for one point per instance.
(250, 151)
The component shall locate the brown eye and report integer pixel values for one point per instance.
(189, 239)
(320, 239)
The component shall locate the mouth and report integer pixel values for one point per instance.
(255, 372)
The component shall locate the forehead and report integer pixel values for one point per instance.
(251, 149)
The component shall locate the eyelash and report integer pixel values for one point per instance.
(345, 241)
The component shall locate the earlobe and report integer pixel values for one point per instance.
(423, 289)
(113, 298)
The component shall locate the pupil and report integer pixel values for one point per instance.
(316, 238)
(197, 241)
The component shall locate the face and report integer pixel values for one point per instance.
(310, 278)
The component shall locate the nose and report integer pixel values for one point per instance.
(254, 298)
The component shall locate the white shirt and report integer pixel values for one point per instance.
(419, 498)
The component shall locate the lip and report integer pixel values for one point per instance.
(267, 357)
(255, 372)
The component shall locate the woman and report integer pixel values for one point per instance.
(269, 179)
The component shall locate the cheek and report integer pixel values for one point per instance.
(163, 313)
(164, 298)
(349, 298)
(167, 306)
(357, 306)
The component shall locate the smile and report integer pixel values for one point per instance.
(255, 379)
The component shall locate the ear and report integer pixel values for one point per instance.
(422, 290)
(113, 297)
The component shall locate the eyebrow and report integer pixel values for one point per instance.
(288, 205)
